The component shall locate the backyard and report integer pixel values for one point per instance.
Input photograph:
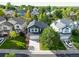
(17, 42)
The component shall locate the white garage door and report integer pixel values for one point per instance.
(34, 36)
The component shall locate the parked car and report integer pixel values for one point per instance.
(68, 43)
(1, 39)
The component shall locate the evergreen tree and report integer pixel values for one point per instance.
(8, 5)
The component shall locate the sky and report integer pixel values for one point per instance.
(25, 2)
(41, 2)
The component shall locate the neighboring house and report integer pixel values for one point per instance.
(48, 13)
(2, 19)
(64, 27)
(35, 28)
(21, 12)
(19, 23)
(9, 13)
(73, 15)
(35, 11)
(5, 28)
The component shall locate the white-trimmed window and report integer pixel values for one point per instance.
(34, 29)
(67, 30)
(31, 30)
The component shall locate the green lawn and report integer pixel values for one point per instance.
(75, 38)
(59, 47)
(15, 43)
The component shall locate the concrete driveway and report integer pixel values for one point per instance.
(68, 48)
(34, 45)
(66, 37)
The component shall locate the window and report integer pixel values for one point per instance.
(66, 30)
(36, 29)
(5, 28)
(33, 29)
(17, 26)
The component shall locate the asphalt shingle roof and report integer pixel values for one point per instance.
(38, 24)
(63, 23)
(7, 23)
(2, 18)
(66, 21)
(19, 20)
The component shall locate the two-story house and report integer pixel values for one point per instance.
(18, 23)
(35, 28)
(64, 27)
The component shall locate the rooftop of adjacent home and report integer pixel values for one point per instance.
(37, 23)
(2, 18)
(63, 22)
(18, 20)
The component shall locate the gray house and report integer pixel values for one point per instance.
(5, 28)
(35, 28)
(2, 19)
(9, 13)
(35, 11)
(18, 23)
(64, 27)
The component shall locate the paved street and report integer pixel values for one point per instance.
(55, 55)
(41, 53)
(67, 55)
(17, 55)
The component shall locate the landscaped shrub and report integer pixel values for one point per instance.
(50, 40)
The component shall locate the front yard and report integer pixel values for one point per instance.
(75, 38)
(50, 40)
(17, 42)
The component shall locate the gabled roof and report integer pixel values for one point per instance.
(66, 21)
(8, 11)
(35, 11)
(63, 23)
(7, 23)
(39, 24)
(2, 19)
(19, 20)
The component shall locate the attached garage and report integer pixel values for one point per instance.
(34, 36)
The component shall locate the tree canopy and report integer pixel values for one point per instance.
(50, 40)
(1, 12)
(8, 5)
(58, 13)
(13, 34)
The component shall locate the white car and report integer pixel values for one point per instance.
(69, 44)
(1, 39)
